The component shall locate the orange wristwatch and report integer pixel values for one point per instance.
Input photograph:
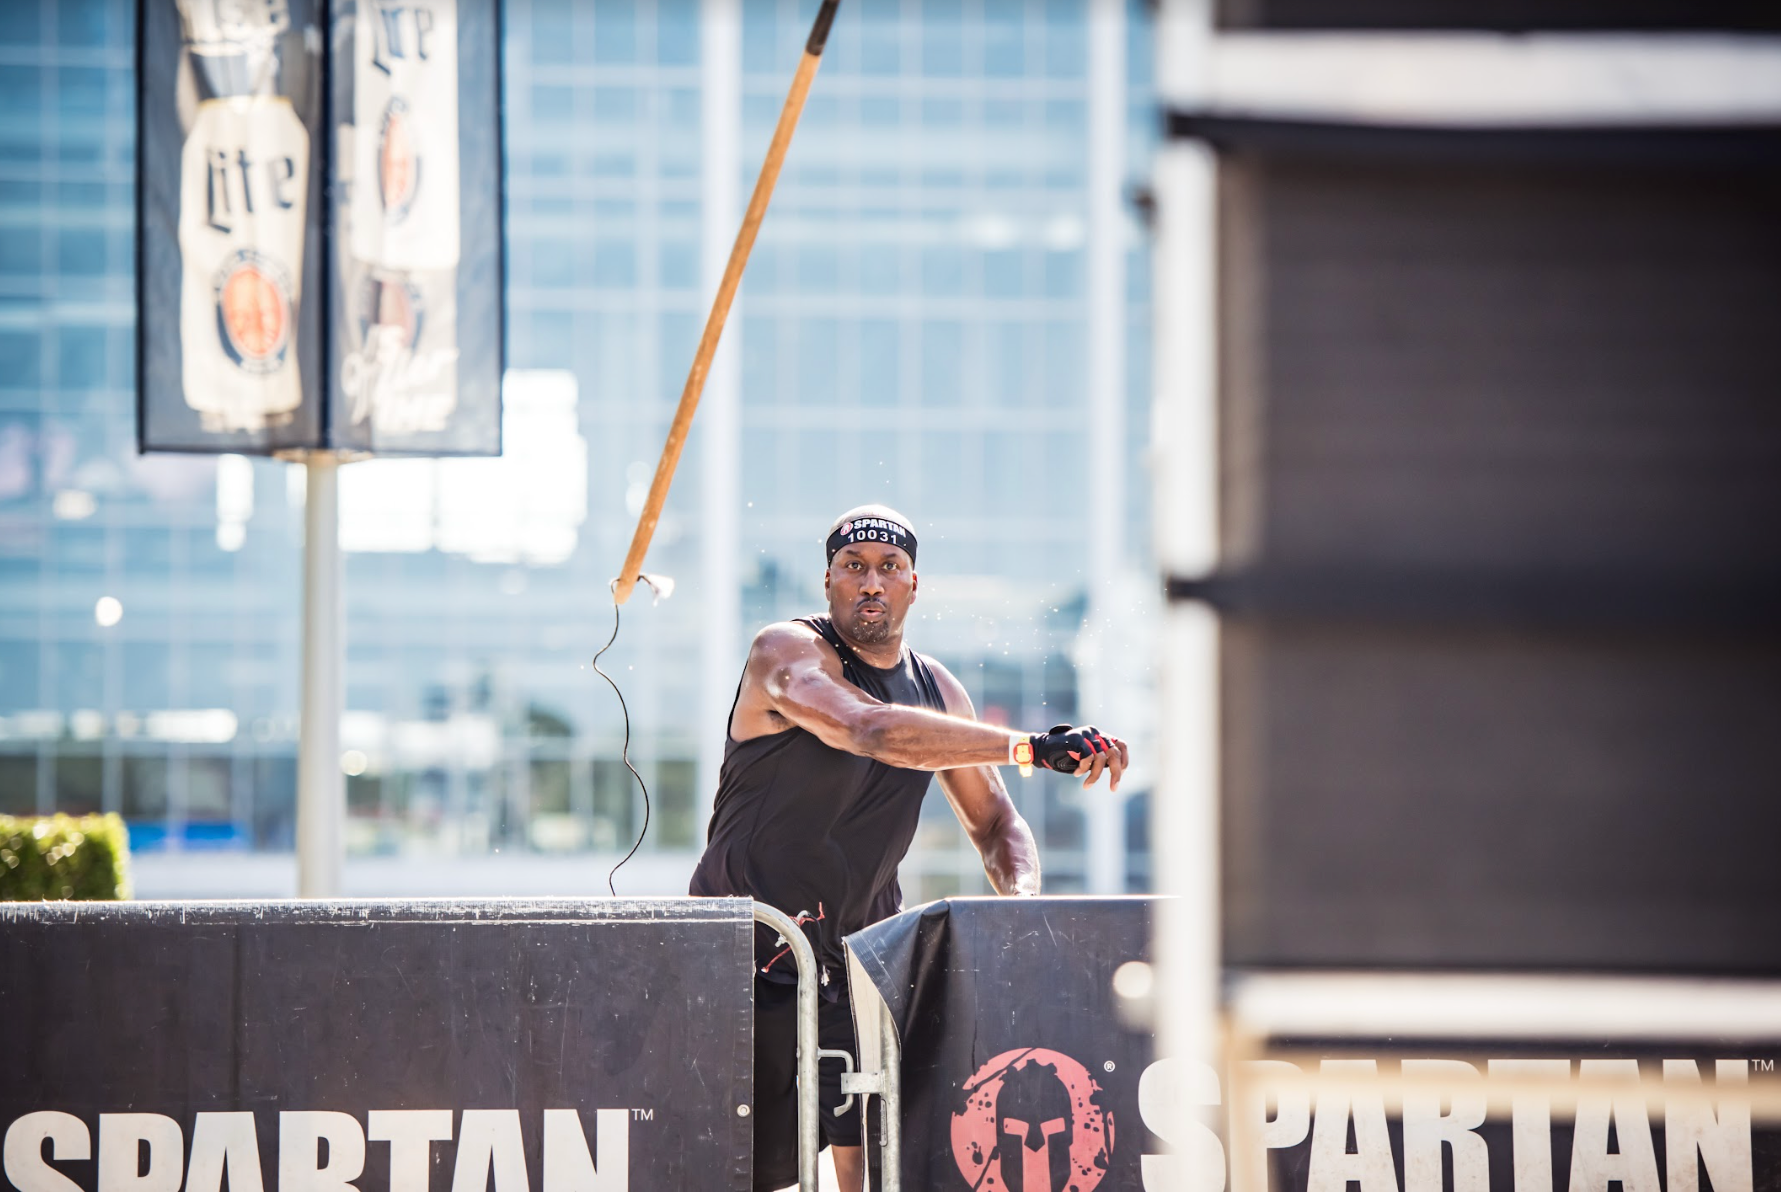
(1020, 753)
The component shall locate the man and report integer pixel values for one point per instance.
(834, 731)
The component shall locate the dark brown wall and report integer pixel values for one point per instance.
(1490, 366)
(1502, 496)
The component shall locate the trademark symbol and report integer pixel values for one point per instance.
(1762, 1065)
(1108, 1066)
(643, 1115)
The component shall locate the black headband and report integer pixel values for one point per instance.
(872, 529)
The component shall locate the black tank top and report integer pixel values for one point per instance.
(816, 831)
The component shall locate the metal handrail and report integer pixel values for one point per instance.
(879, 1076)
(890, 1089)
(809, 1105)
(892, 1050)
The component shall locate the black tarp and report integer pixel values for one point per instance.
(635, 1014)
(1017, 1074)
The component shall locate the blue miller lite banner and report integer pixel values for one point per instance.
(319, 234)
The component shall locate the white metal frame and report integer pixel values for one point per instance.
(1504, 1006)
(1457, 79)
(879, 1075)
(809, 1106)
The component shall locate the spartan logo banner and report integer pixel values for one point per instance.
(230, 214)
(417, 278)
(1018, 1076)
(460, 1046)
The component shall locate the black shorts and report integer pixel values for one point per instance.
(776, 1081)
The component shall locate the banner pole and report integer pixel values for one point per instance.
(321, 787)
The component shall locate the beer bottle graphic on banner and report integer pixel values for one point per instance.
(404, 210)
(398, 370)
(243, 189)
(243, 196)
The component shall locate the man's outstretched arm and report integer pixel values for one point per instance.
(799, 675)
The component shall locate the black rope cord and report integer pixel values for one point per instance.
(624, 753)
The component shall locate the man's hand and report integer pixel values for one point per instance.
(1085, 750)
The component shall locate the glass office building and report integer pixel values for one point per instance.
(946, 311)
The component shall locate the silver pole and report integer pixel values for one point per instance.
(1104, 810)
(808, 1104)
(1184, 810)
(720, 481)
(891, 1049)
(321, 789)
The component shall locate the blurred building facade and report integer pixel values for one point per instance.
(947, 311)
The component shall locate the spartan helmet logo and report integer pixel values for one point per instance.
(1033, 1128)
(1032, 1122)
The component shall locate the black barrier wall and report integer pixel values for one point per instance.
(598, 1046)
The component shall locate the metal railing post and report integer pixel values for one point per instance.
(891, 1072)
(808, 1103)
(880, 1075)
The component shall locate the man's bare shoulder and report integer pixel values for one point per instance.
(789, 644)
(782, 638)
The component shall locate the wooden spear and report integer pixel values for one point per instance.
(720, 306)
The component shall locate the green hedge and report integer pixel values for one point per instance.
(62, 856)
